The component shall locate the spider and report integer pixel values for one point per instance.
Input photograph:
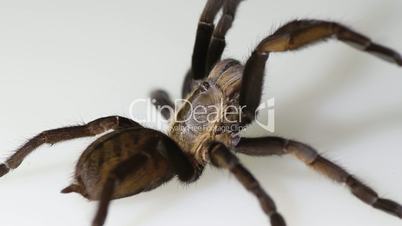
(132, 159)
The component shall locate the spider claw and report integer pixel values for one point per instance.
(389, 206)
(277, 220)
(98, 222)
(4, 169)
(399, 60)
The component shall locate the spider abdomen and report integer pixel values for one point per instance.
(102, 157)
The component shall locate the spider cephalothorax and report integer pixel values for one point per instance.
(133, 159)
(209, 111)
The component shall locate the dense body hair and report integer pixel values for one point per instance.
(219, 92)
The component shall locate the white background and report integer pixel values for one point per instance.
(67, 62)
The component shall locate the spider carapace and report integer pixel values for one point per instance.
(133, 159)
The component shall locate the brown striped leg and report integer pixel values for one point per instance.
(295, 35)
(221, 157)
(122, 170)
(218, 43)
(274, 145)
(93, 128)
(163, 103)
(203, 38)
(210, 40)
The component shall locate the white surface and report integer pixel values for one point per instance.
(65, 62)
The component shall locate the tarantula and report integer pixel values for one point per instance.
(133, 159)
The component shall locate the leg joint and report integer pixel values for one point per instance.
(302, 151)
(221, 157)
(362, 191)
